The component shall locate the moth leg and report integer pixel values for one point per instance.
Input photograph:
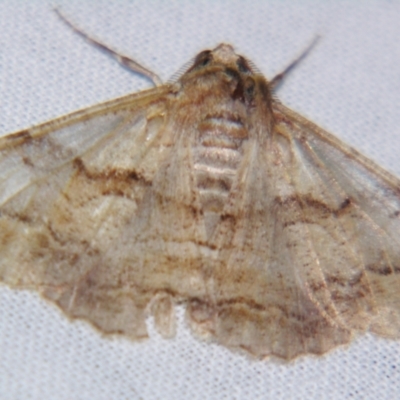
(122, 59)
(277, 79)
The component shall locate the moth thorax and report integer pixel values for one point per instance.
(217, 156)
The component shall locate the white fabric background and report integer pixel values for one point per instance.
(350, 84)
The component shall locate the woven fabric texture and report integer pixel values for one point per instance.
(349, 84)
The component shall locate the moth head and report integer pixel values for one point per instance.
(223, 62)
(223, 56)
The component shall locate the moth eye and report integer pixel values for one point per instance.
(249, 87)
(206, 61)
(242, 65)
(203, 59)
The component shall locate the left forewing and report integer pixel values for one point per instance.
(67, 189)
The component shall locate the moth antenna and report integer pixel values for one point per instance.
(122, 59)
(277, 79)
(177, 75)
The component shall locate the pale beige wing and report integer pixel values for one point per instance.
(358, 204)
(309, 247)
(68, 188)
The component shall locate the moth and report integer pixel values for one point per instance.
(279, 239)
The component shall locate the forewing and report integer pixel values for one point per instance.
(359, 212)
(309, 248)
(68, 188)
